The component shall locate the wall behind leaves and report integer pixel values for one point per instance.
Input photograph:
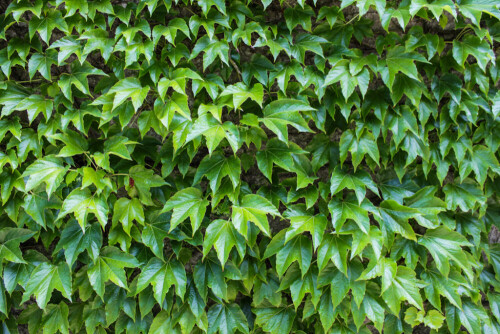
(210, 166)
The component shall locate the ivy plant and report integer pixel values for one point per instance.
(249, 166)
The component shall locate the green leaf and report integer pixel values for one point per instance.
(117, 145)
(30, 142)
(44, 279)
(67, 46)
(436, 7)
(414, 317)
(434, 319)
(276, 244)
(471, 317)
(277, 320)
(438, 285)
(340, 283)
(226, 319)
(77, 78)
(276, 45)
(240, 93)
(196, 166)
(36, 104)
(298, 249)
(384, 267)
(448, 83)
(340, 73)
(49, 170)
(196, 302)
(18, 8)
(109, 267)
(217, 166)
(474, 46)
(9, 182)
(359, 147)
(56, 318)
(97, 178)
(480, 160)
(10, 125)
(188, 202)
(361, 240)
(208, 274)
(162, 275)
(464, 195)
(395, 218)
(212, 49)
(177, 81)
(75, 5)
(177, 103)
(445, 245)
(253, 208)
(494, 299)
(265, 292)
(401, 14)
(128, 88)
(358, 181)
(214, 132)
(279, 153)
(279, 114)
(11, 97)
(81, 203)
(364, 5)
(371, 307)
(127, 210)
(36, 205)
(331, 14)
(301, 221)
(413, 89)
(299, 16)
(42, 63)
(74, 241)
(334, 248)
(10, 238)
(153, 236)
(429, 206)
(326, 311)
(349, 209)
(222, 235)
(45, 25)
(300, 285)
(403, 287)
(257, 68)
(306, 42)
(473, 9)
(143, 180)
(398, 60)
(163, 324)
(74, 142)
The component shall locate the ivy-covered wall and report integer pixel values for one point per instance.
(211, 166)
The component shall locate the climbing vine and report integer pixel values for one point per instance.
(210, 166)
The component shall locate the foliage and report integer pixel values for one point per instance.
(249, 166)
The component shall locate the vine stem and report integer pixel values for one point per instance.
(26, 81)
(235, 67)
(462, 33)
(353, 18)
(91, 160)
(53, 78)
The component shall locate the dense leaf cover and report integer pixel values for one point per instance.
(210, 166)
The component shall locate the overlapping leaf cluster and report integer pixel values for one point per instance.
(182, 166)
